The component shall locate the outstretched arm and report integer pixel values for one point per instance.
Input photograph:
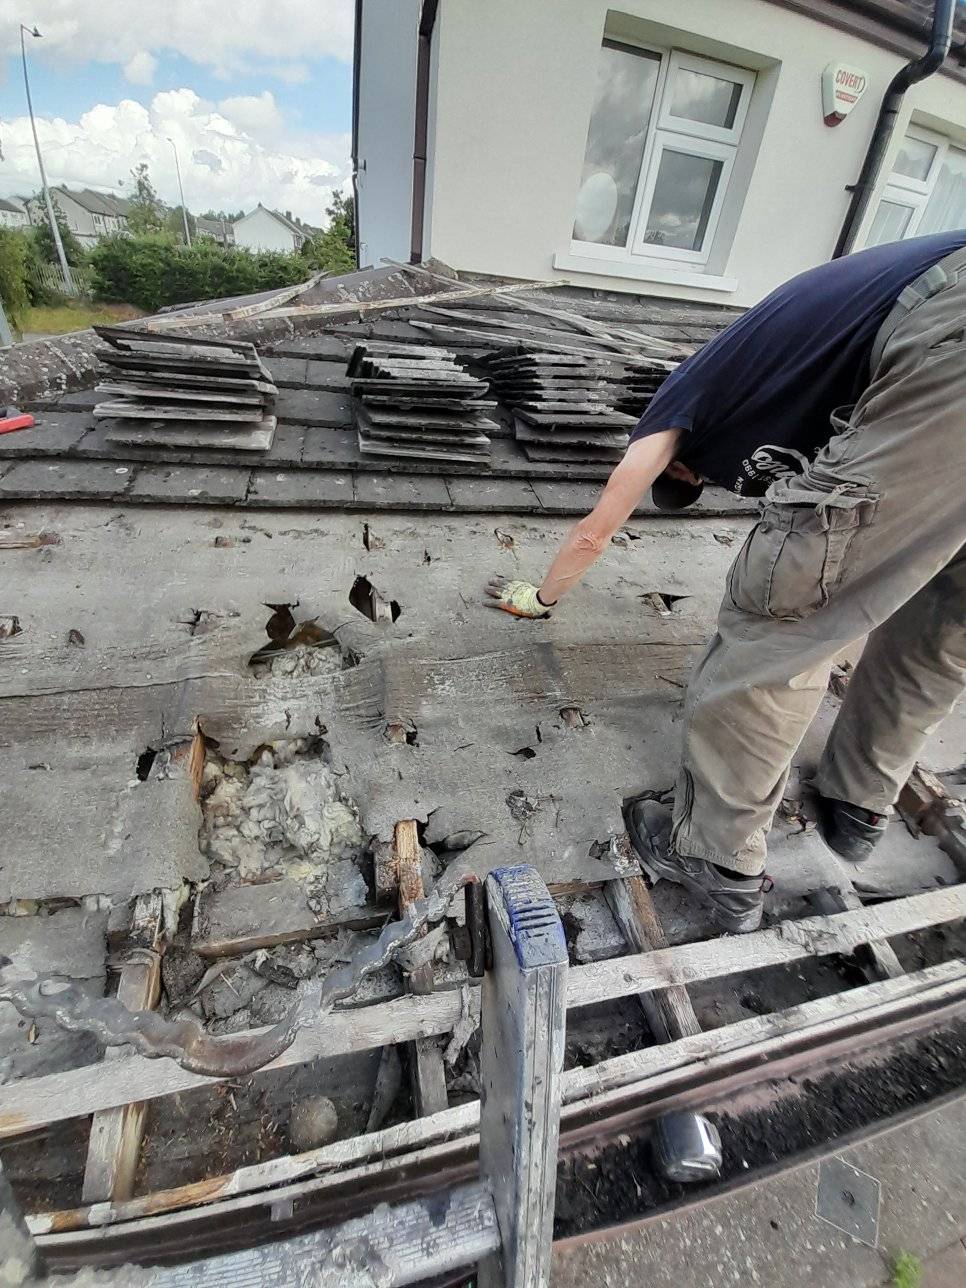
(643, 462)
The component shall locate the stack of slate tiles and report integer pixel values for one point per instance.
(641, 382)
(564, 406)
(415, 401)
(176, 391)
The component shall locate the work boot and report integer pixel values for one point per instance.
(849, 830)
(735, 901)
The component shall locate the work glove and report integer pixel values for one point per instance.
(516, 597)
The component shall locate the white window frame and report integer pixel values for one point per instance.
(681, 135)
(914, 194)
(706, 149)
(705, 67)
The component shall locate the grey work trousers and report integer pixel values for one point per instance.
(869, 540)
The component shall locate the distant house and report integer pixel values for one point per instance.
(13, 213)
(219, 230)
(109, 212)
(264, 229)
(90, 215)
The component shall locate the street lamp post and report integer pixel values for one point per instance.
(184, 209)
(54, 230)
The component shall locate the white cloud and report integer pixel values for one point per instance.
(257, 113)
(140, 68)
(228, 41)
(233, 155)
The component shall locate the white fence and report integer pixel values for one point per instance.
(53, 279)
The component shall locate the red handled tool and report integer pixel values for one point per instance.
(11, 419)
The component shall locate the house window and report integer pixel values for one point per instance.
(662, 140)
(926, 191)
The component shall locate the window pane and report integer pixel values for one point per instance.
(682, 201)
(890, 223)
(709, 99)
(914, 159)
(626, 80)
(946, 208)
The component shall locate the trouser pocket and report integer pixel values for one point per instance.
(795, 557)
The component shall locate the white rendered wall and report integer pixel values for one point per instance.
(261, 231)
(513, 91)
(387, 108)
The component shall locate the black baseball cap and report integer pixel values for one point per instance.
(668, 493)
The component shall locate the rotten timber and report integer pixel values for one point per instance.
(115, 1138)
(426, 1071)
(747, 1044)
(42, 1101)
(669, 1012)
(927, 807)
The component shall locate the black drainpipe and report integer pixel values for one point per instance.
(919, 69)
(427, 22)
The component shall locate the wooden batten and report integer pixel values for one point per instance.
(115, 1139)
(37, 1102)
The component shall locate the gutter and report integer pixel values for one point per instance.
(913, 72)
(427, 22)
(356, 69)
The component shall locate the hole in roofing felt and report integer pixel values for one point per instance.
(573, 717)
(145, 762)
(295, 649)
(527, 753)
(281, 624)
(370, 540)
(403, 733)
(366, 600)
(660, 601)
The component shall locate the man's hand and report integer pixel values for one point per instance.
(516, 597)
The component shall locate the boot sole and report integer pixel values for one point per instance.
(658, 870)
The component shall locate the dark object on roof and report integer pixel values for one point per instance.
(416, 401)
(178, 391)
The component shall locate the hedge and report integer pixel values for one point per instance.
(154, 269)
(14, 269)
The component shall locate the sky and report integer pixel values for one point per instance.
(257, 96)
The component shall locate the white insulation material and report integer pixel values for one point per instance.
(285, 816)
(304, 659)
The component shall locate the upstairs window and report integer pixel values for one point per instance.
(663, 136)
(926, 191)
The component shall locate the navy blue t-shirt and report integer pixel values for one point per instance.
(756, 401)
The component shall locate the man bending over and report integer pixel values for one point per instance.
(840, 399)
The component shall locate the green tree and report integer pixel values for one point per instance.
(44, 240)
(342, 216)
(145, 213)
(333, 250)
(174, 224)
(13, 275)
